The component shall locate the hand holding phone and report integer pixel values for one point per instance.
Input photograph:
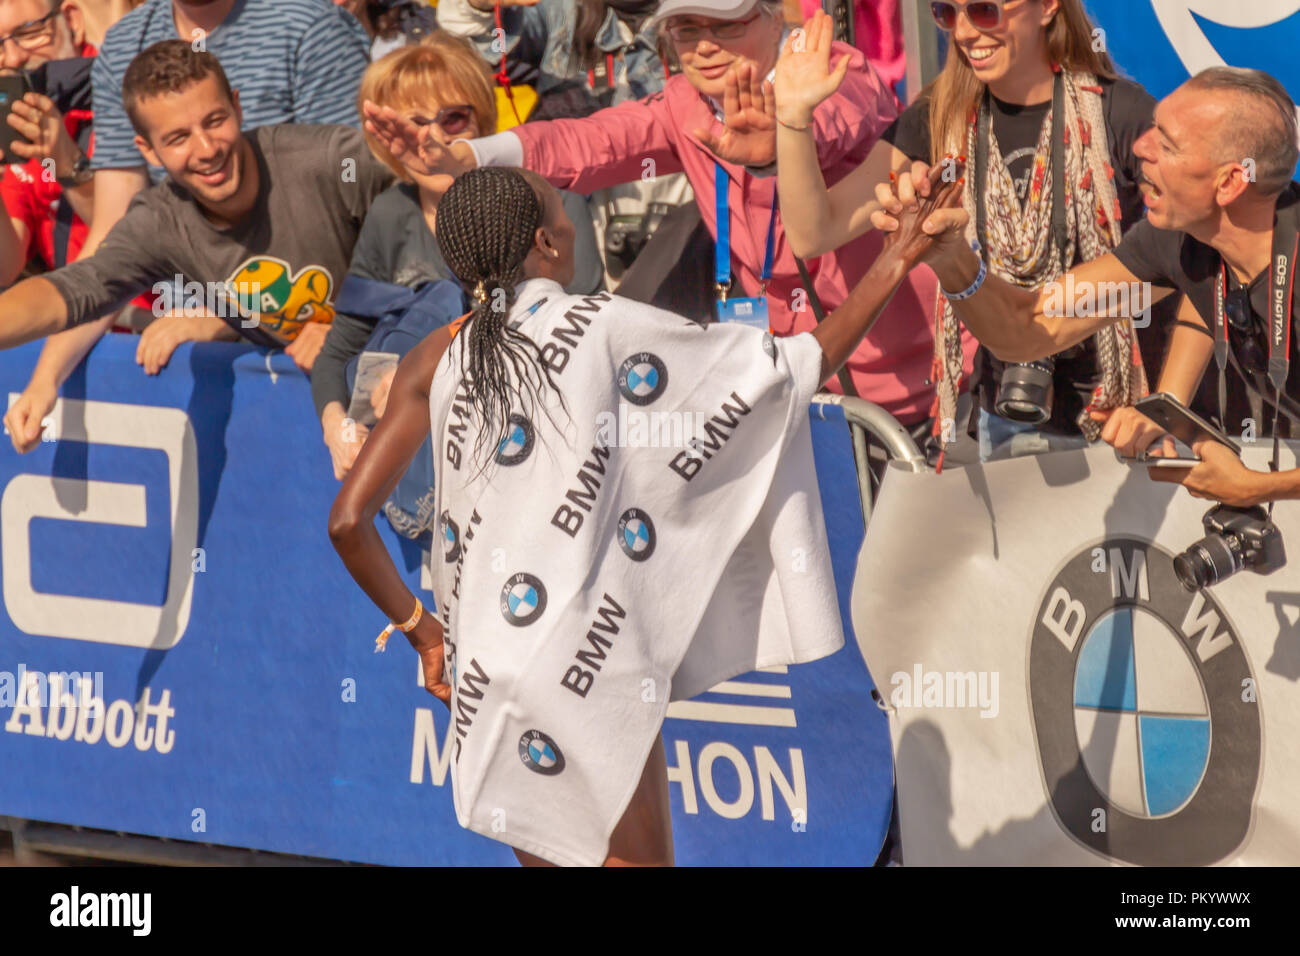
(13, 87)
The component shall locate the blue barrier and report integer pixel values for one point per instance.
(172, 540)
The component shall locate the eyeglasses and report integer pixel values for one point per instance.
(1241, 317)
(982, 14)
(730, 30)
(34, 34)
(452, 120)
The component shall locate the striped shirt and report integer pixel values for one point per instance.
(292, 61)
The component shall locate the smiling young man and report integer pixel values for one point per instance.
(1217, 168)
(264, 222)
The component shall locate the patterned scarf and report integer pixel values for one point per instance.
(1021, 248)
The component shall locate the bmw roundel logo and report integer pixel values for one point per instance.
(540, 754)
(518, 443)
(1144, 710)
(523, 599)
(642, 378)
(450, 538)
(636, 534)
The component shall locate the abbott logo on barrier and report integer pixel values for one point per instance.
(1144, 710)
(106, 502)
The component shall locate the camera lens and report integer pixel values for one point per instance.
(1208, 562)
(1026, 392)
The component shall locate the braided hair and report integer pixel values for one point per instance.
(486, 224)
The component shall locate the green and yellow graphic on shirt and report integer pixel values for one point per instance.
(267, 288)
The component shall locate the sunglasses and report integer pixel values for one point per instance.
(982, 14)
(452, 120)
(1240, 315)
(730, 30)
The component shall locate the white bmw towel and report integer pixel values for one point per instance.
(600, 565)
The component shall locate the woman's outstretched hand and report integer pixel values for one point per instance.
(748, 136)
(804, 76)
(415, 147)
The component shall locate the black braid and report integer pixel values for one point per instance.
(486, 224)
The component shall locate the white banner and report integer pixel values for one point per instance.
(1055, 695)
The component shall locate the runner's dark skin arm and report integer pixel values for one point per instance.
(843, 330)
(383, 459)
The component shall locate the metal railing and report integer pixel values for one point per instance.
(870, 424)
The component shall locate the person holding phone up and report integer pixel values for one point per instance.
(44, 146)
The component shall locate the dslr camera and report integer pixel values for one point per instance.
(1235, 538)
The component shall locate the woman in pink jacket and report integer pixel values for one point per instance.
(715, 122)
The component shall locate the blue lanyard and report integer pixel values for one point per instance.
(722, 248)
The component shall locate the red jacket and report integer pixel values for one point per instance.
(32, 198)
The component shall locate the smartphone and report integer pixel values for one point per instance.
(1181, 422)
(13, 87)
(1157, 461)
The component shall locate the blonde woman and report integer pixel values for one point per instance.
(1025, 91)
(440, 84)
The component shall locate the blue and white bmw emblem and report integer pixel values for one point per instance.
(450, 538)
(523, 599)
(518, 443)
(636, 534)
(540, 754)
(642, 378)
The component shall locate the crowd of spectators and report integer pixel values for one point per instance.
(162, 143)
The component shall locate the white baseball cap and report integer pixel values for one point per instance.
(715, 9)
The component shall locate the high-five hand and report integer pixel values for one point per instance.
(803, 73)
(914, 221)
(416, 148)
(748, 136)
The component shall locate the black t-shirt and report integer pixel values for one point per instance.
(1128, 110)
(1174, 260)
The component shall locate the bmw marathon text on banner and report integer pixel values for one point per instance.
(165, 560)
(1060, 697)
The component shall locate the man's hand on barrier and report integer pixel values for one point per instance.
(1130, 432)
(1220, 476)
(343, 437)
(748, 136)
(304, 349)
(23, 419)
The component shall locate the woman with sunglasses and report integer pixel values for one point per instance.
(1048, 127)
(441, 86)
(713, 121)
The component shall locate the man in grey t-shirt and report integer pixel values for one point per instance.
(257, 227)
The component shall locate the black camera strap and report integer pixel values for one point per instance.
(1281, 278)
(984, 135)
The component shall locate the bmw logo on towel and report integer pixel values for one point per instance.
(523, 599)
(1144, 710)
(539, 753)
(642, 378)
(451, 538)
(636, 534)
(518, 443)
